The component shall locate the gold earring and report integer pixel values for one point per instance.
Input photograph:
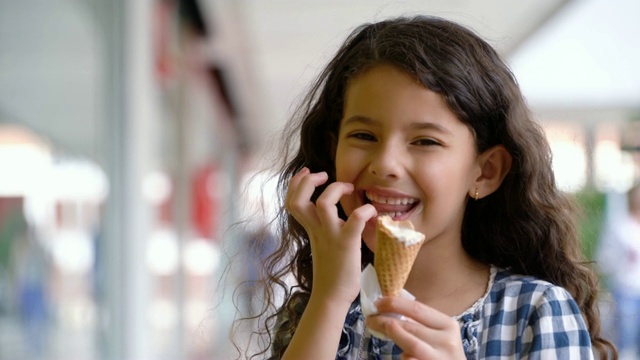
(475, 196)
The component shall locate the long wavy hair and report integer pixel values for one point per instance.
(527, 225)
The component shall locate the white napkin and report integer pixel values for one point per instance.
(370, 291)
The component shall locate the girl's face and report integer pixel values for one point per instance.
(406, 153)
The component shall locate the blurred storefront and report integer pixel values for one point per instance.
(120, 180)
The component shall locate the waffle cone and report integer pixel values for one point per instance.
(393, 259)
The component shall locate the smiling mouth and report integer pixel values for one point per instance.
(395, 207)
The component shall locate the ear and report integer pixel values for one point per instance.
(494, 164)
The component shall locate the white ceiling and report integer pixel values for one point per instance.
(283, 44)
(586, 58)
(51, 63)
(52, 59)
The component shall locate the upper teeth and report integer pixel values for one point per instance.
(389, 200)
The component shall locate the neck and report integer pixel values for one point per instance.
(447, 279)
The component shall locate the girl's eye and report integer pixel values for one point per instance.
(362, 136)
(425, 142)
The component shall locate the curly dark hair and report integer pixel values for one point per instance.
(527, 225)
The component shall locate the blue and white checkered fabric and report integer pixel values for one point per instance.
(520, 317)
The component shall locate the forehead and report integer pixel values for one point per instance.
(385, 92)
(381, 72)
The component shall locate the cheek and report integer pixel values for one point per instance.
(349, 203)
(345, 173)
(440, 178)
(347, 162)
(342, 169)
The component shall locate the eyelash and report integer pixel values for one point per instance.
(425, 142)
(369, 137)
(363, 136)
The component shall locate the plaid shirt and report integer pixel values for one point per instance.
(518, 317)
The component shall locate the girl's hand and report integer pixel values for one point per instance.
(335, 244)
(426, 334)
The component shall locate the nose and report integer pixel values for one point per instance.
(386, 162)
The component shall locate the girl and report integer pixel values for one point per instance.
(420, 119)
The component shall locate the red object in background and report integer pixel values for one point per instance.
(162, 27)
(204, 214)
(204, 201)
(9, 205)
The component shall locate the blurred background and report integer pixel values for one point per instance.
(129, 130)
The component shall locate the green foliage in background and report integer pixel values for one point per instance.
(12, 225)
(591, 204)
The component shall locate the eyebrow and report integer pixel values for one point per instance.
(414, 126)
(430, 126)
(357, 119)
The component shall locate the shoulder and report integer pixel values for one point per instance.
(525, 288)
(529, 299)
(534, 302)
(527, 315)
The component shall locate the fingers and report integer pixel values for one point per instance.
(326, 202)
(426, 334)
(409, 337)
(358, 219)
(298, 202)
(301, 188)
(415, 340)
(404, 356)
(295, 181)
(415, 310)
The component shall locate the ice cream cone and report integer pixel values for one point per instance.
(397, 246)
